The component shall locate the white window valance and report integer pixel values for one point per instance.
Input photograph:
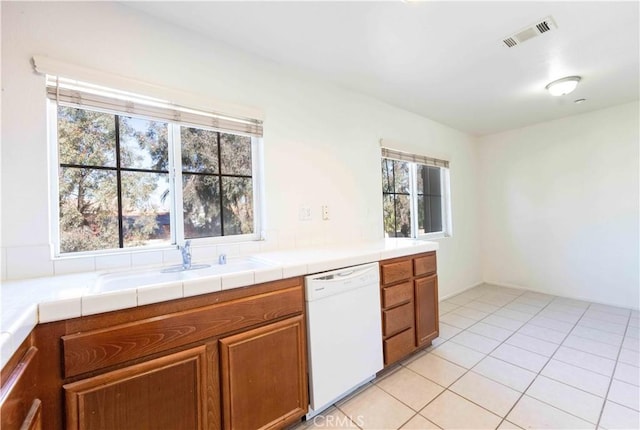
(81, 87)
(395, 154)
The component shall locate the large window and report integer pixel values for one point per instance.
(415, 196)
(127, 180)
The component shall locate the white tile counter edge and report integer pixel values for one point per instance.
(28, 302)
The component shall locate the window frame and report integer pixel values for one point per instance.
(256, 154)
(175, 185)
(445, 189)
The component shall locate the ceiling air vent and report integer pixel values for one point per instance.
(543, 26)
(534, 30)
(510, 42)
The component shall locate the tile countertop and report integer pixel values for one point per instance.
(25, 303)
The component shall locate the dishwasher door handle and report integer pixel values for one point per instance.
(343, 274)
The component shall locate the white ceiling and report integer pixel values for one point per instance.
(443, 60)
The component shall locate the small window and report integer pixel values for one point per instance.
(415, 196)
(126, 181)
(430, 195)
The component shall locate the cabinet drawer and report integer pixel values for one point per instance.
(97, 349)
(399, 346)
(397, 294)
(425, 264)
(397, 319)
(394, 272)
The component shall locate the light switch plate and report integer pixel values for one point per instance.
(304, 213)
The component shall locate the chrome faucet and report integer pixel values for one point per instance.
(186, 255)
(222, 259)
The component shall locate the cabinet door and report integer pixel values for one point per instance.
(19, 407)
(263, 376)
(164, 393)
(426, 302)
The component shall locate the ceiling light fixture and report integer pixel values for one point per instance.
(563, 86)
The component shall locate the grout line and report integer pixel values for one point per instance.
(597, 341)
(516, 365)
(421, 416)
(542, 368)
(584, 368)
(347, 415)
(538, 373)
(562, 410)
(621, 405)
(615, 366)
(568, 385)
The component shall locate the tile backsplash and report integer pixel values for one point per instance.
(146, 258)
(114, 261)
(28, 262)
(74, 265)
(35, 261)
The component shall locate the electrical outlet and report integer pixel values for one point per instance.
(325, 212)
(304, 213)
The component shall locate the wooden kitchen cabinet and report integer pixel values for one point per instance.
(426, 308)
(180, 364)
(263, 376)
(237, 362)
(19, 406)
(166, 393)
(409, 302)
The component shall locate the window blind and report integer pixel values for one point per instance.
(86, 95)
(414, 158)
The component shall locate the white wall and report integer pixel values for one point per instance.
(321, 142)
(560, 208)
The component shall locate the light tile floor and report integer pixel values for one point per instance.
(508, 359)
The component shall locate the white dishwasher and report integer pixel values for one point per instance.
(344, 332)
